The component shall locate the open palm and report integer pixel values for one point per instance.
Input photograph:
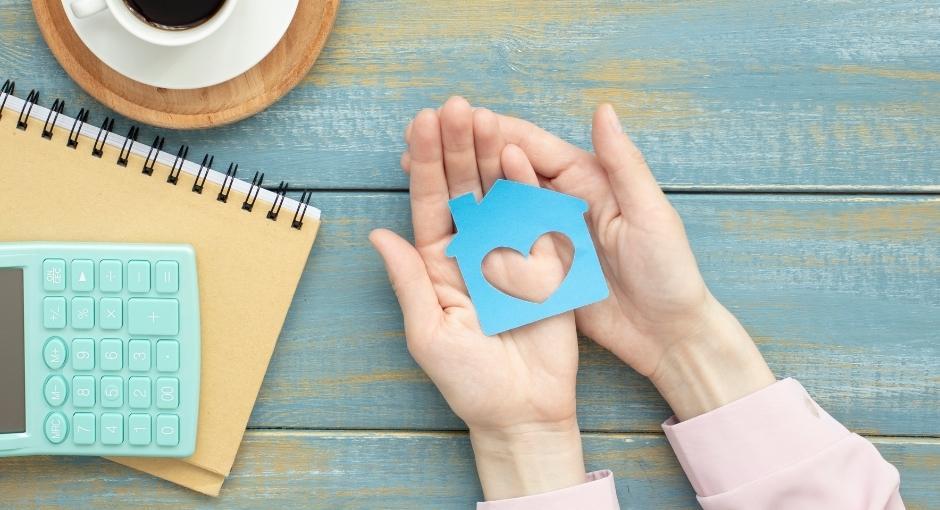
(519, 378)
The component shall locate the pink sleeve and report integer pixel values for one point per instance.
(777, 448)
(597, 493)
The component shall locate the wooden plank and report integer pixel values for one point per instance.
(721, 94)
(367, 470)
(840, 292)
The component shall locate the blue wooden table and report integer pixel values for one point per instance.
(799, 140)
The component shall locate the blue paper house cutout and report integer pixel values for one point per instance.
(514, 215)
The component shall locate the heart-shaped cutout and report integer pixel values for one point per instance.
(534, 276)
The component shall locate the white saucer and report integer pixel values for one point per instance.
(250, 33)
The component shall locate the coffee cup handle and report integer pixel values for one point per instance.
(86, 8)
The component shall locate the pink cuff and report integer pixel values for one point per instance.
(752, 437)
(597, 493)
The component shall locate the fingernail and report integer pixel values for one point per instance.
(612, 119)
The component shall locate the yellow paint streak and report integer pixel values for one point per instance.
(894, 74)
(907, 221)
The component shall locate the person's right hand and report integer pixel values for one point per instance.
(660, 317)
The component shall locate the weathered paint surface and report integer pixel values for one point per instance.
(388, 470)
(841, 291)
(728, 94)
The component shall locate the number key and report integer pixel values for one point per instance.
(83, 354)
(168, 430)
(112, 392)
(138, 355)
(138, 389)
(83, 391)
(112, 429)
(112, 354)
(138, 427)
(84, 425)
(168, 389)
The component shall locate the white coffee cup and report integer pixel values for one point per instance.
(150, 33)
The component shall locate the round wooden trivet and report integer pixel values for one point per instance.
(230, 101)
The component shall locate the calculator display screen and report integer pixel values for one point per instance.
(12, 358)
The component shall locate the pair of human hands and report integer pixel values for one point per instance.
(516, 390)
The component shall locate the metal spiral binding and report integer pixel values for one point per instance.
(203, 173)
(7, 91)
(154, 153)
(279, 194)
(106, 127)
(177, 167)
(227, 181)
(128, 145)
(31, 99)
(249, 202)
(57, 106)
(301, 211)
(76, 130)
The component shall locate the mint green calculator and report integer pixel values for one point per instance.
(99, 349)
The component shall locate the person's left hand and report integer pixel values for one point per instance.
(516, 390)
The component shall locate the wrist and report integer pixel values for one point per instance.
(528, 459)
(716, 365)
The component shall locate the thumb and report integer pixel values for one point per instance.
(631, 179)
(410, 281)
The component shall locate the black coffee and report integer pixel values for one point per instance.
(175, 14)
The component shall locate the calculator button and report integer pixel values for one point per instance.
(138, 429)
(112, 429)
(111, 314)
(168, 430)
(53, 312)
(55, 390)
(83, 275)
(112, 392)
(83, 313)
(168, 389)
(56, 428)
(138, 392)
(53, 275)
(83, 428)
(138, 355)
(54, 353)
(112, 355)
(83, 391)
(153, 317)
(138, 276)
(168, 356)
(83, 354)
(167, 279)
(110, 276)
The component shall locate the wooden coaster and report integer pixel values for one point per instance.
(230, 101)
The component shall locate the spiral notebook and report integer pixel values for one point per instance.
(63, 179)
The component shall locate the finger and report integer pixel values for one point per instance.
(460, 162)
(410, 281)
(517, 167)
(630, 178)
(406, 161)
(429, 211)
(548, 154)
(489, 144)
